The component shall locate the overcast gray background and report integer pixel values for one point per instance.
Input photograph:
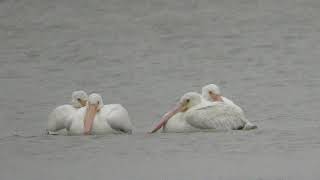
(145, 54)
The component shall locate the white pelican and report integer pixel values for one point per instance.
(177, 124)
(196, 116)
(97, 118)
(211, 92)
(58, 119)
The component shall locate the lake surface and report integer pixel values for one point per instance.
(145, 54)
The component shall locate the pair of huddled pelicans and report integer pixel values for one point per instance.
(194, 112)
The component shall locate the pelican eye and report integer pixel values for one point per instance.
(188, 100)
(210, 92)
(79, 99)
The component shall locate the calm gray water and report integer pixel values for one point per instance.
(144, 54)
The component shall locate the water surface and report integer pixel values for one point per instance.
(144, 54)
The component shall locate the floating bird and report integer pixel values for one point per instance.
(97, 118)
(197, 115)
(211, 92)
(59, 118)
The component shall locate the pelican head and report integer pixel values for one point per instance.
(211, 92)
(187, 101)
(95, 103)
(96, 100)
(79, 99)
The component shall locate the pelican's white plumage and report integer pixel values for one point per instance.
(178, 124)
(210, 93)
(192, 114)
(212, 89)
(59, 118)
(218, 115)
(112, 118)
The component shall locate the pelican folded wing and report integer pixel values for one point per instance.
(217, 116)
(118, 118)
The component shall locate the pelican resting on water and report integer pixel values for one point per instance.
(59, 118)
(211, 92)
(192, 113)
(97, 118)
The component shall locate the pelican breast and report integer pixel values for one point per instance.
(178, 124)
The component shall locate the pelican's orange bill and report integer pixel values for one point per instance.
(89, 118)
(166, 117)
